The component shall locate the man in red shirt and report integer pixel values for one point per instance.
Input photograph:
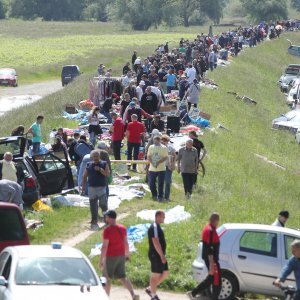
(114, 253)
(210, 255)
(135, 130)
(117, 131)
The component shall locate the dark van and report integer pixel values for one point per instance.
(13, 231)
(68, 73)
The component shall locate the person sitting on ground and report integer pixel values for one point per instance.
(157, 123)
(60, 147)
(282, 218)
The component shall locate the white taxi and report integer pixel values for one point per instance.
(48, 272)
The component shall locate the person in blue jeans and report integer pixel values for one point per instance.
(170, 165)
(157, 156)
(293, 265)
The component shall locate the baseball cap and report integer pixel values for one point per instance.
(142, 82)
(102, 145)
(111, 214)
(132, 103)
(155, 132)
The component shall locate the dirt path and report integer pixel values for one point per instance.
(11, 98)
(118, 293)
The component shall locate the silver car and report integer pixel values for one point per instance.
(251, 258)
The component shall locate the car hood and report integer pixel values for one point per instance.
(7, 77)
(51, 292)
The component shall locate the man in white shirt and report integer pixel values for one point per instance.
(191, 73)
(140, 90)
(282, 218)
(126, 80)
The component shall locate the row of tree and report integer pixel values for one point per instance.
(142, 14)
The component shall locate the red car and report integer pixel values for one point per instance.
(13, 230)
(8, 76)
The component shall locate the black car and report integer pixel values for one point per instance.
(45, 174)
(68, 73)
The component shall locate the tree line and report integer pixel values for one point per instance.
(142, 14)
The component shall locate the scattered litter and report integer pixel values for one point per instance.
(246, 99)
(210, 84)
(173, 215)
(273, 163)
(135, 234)
(222, 127)
(41, 206)
(33, 224)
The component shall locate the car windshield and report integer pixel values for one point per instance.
(54, 271)
(7, 72)
(70, 69)
(292, 71)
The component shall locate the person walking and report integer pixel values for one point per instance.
(114, 253)
(96, 173)
(170, 165)
(199, 146)
(210, 255)
(157, 156)
(194, 92)
(117, 134)
(157, 255)
(293, 265)
(282, 218)
(36, 132)
(135, 130)
(187, 163)
(171, 81)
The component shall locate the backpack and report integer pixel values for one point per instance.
(81, 149)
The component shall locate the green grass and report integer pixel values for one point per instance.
(237, 184)
(40, 49)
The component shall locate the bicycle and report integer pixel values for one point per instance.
(289, 292)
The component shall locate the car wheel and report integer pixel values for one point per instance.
(229, 286)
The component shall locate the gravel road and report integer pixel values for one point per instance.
(11, 98)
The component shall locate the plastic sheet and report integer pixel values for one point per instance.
(173, 215)
(135, 234)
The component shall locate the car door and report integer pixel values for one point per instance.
(52, 173)
(5, 269)
(287, 253)
(257, 260)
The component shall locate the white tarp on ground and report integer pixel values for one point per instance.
(173, 215)
(179, 141)
(117, 194)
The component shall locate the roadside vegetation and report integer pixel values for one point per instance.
(238, 185)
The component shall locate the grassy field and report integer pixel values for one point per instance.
(237, 184)
(41, 48)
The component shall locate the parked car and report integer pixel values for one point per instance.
(13, 230)
(251, 258)
(294, 92)
(290, 121)
(45, 174)
(294, 50)
(48, 272)
(291, 72)
(68, 73)
(8, 77)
